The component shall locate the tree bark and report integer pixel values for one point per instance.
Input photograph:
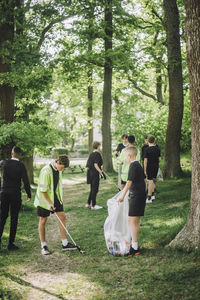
(28, 161)
(6, 90)
(90, 112)
(107, 90)
(189, 237)
(159, 83)
(172, 146)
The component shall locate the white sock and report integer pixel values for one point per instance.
(43, 244)
(135, 245)
(65, 242)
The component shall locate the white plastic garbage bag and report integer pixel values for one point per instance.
(159, 175)
(116, 230)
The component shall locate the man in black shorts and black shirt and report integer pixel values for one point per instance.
(136, 185)
(94, 171)
(13, 172)
(152, 158)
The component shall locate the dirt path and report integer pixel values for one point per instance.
(53, 276)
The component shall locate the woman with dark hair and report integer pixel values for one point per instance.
(94, 171)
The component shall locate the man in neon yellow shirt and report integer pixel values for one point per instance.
(49, 197)
(124, 163)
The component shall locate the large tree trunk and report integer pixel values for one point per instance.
(107, 91)
(6, 90)
(172, 146)
(189, 237)
(28, 161)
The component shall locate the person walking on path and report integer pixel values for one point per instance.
(13, 172)
(94, 164)
(49, 198)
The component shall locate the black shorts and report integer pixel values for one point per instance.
(152, 172)
(137, 203)
(42, 212)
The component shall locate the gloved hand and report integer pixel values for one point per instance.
(103, 175)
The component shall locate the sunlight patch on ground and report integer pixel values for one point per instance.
(178, 204)
(66, 285)
(73, 181)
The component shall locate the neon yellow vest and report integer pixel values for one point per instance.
(45, 184)
(125, 164)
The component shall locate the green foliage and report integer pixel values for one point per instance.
(28, 136)
(141, 118)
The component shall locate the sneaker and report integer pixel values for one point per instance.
(69, 247)
(148, 200)
(153, 198)
(96, 207)
(12, 247)
(45, 250)
(133, 252)
(87, 205)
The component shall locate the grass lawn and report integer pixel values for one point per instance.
(159, 273)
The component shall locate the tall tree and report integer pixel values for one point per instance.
(107, 89)
(189, 236)
(172, 146)
(6, 89)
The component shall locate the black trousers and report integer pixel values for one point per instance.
(94, 188)
(12, 202)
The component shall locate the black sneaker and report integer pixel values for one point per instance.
(69, 247)
(12, 247)
(133, 252)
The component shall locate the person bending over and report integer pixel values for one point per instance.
(49, 197)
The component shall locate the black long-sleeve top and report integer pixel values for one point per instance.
(13, 172)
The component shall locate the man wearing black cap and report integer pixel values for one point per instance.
(13, 171)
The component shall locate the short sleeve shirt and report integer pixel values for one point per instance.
(152, 153)
(136, 175)
(120, 147)
(94, 158)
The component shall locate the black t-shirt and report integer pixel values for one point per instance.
(120, 147)
(136, 175)
(152, 153)
(143, 150)
(55, 183)
(94, 158)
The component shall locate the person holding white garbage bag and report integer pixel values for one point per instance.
(137, 197)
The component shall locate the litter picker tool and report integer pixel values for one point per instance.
(79, 249)
(110, 179)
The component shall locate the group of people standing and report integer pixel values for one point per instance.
(49, 196)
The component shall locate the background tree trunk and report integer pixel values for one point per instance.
(90, 112)
(189, 237)
(6, 90)
(107, 90)
(172, 146)
(159, 94)
(28, 161)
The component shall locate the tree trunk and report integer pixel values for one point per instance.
(159, 84)
(90, 112)
(172, 146)
(189, 237)
(28, 161)
(107, 90)
(6, 90)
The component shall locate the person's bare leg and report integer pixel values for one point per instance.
(134, 226)
(62, 216)
(151, 187)
(41, 228)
